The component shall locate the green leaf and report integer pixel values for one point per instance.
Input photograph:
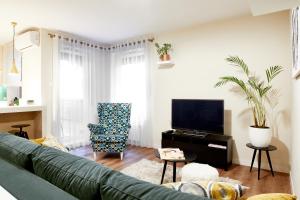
(272, 72)
(226, 79)
(238, 62)
(265, 90)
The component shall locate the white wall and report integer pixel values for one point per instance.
(32, 78)
(1, 65)
(31, 71)
(199, 54)
(295, 151)
(31, 74)
(46, 60)
(295, 138)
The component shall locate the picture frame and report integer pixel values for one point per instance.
(295, 43)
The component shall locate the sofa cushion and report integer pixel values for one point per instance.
(119, 186)
(17, 150)
(24, 185)
(75, 175)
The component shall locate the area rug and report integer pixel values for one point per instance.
(151, 171)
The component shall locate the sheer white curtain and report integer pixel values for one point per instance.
(80, 80)
(130, 82)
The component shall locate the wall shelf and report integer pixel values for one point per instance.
(166, 64)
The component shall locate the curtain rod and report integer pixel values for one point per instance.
(79, 41)
(101, 47)
(132, 43)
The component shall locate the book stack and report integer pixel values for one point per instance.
(171, 154)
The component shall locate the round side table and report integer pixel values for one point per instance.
(189, 157)
(259, 149)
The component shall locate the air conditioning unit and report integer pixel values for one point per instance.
(27, 40)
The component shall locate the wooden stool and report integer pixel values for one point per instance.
(21, 133)
(15, 132)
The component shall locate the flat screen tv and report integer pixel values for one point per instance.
(198, 115)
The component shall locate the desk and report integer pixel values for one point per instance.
(23, 114)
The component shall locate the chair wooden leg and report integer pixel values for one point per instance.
(121, 155)
(95, 156)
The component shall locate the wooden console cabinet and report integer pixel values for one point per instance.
(215, 150)
(26, 114)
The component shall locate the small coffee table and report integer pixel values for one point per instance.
(189, 157)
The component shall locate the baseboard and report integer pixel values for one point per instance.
(264, 165)
(292, 183)
(156, 146)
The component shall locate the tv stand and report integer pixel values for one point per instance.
(193, 133)
(212, 149)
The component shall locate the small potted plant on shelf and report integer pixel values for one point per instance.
(257, 93)
(163, 51)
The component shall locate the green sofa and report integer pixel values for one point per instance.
(30, 171)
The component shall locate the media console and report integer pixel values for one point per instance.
(212, 149)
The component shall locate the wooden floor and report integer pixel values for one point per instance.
(266, 184)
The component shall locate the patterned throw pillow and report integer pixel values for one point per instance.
(211, 189)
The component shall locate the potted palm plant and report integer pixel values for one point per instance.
(163, 51)
(257, 93)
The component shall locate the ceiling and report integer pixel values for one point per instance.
(111, 20)
(259, 7)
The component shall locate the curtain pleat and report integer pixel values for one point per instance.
(130, 83)
(79, 82)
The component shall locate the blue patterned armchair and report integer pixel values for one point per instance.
(111, 134)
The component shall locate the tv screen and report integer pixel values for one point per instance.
(198, 115)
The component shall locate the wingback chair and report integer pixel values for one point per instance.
(111, 134)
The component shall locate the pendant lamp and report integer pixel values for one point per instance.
(13, 69)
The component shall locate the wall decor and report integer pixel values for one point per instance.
(295, 42)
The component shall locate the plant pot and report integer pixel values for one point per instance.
(165, 57)
(260, 137)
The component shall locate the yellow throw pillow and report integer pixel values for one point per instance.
(273, 196)
(221, 190)
(38, 140)
(50, 142)
(54, 143)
